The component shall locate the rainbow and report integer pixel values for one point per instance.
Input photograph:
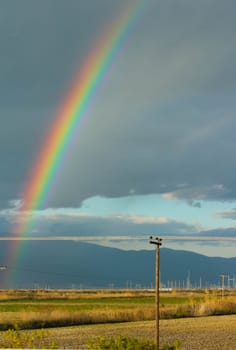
(71, 112)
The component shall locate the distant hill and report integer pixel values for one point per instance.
(68, 264)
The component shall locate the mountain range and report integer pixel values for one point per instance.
(71, 264)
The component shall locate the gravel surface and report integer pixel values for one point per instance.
(199, 333)
(202, 333)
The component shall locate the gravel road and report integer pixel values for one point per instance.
(199, 333)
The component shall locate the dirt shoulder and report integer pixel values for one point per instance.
(199, 333)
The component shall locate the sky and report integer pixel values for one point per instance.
(156, 154)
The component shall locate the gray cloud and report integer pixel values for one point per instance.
(86, 225)
(227, 214)
(221, 232)
(163, 121)
(136, 228)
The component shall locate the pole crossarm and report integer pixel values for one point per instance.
(155, 240)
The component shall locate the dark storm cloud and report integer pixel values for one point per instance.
(42, 44)
(164, 121)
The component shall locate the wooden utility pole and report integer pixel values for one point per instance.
(223, 284)
(230, 280)
(157, 241)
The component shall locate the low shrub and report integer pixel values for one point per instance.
(121, 342)
(15, 339)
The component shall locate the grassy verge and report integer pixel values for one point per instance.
(56, 318)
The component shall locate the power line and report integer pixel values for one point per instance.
(39, 271)
(115, 238)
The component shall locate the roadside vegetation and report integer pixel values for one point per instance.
(14, 339)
